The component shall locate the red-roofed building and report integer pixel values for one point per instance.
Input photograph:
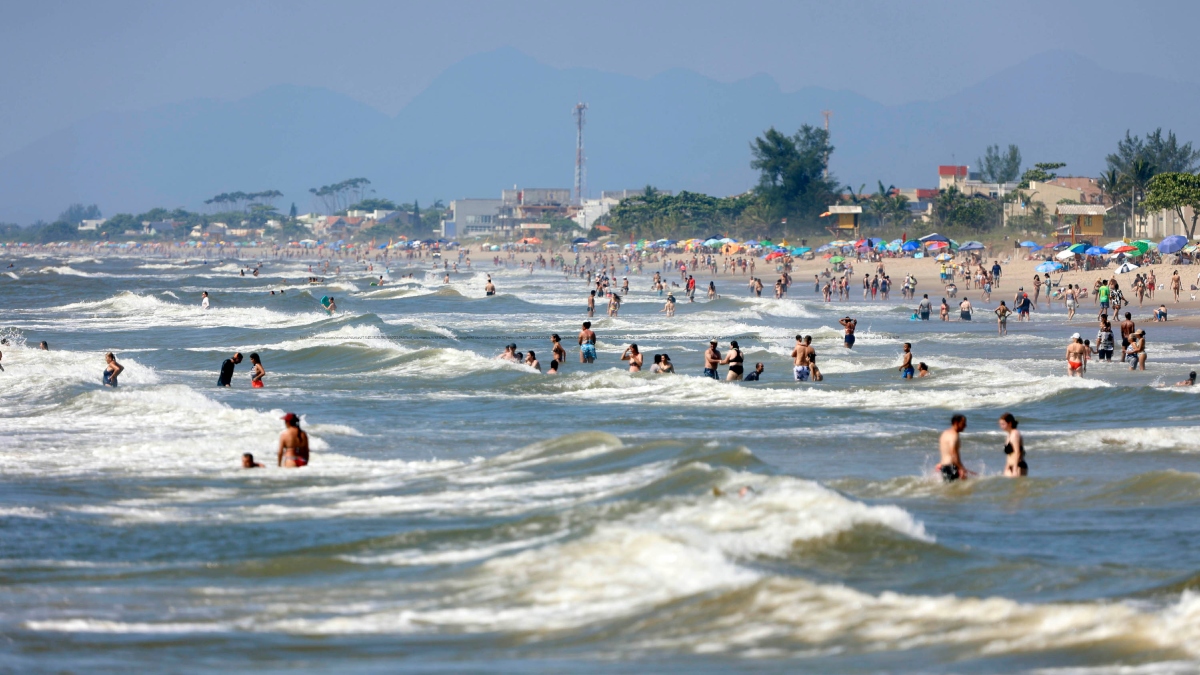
(951, 176)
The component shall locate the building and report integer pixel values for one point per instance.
(533, 204)
(376, 215)
(950, 176)
(91, 225)
(592, 210)
(846, 224)
(626, 194)
(1158, 225)
(1080, 222)
(474, 218)
(1088, 188)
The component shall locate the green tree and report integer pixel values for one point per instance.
(292, 211)
(1175, 191)
(1164, 153)
(1112, 186)
(373, 204)
(78, 212)
(1042, 172)
(954, 209)
(1000, 167)
(792, 171)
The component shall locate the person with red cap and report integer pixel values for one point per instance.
(293, 443)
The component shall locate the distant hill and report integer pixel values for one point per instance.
(502, 118)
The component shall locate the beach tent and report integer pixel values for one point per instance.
(971, 246)
(1172, 244)
(1127, 267)
(933, 237)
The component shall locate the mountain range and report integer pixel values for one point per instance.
(501, 118)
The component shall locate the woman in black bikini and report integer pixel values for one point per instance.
(734, 358)
(1014, 448)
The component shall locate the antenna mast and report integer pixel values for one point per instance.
(827, 114)
(580, 170)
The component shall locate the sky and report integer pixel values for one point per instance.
(61, 61)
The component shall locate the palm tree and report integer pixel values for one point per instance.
(880, 203)
(1137, 178)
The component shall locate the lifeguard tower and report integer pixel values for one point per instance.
(1080, 221)
(846, 225)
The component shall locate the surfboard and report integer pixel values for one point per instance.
(325, 301)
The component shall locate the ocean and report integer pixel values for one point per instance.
(466, 514)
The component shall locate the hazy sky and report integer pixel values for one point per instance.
(61, 61)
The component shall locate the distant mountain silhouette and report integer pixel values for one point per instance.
(501, 118)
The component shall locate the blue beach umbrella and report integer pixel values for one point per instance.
(971, 246)
(934, 237)
(911, 246)
(1096, 250)
(1029, 244)
(1048, 267)
(1172, 244)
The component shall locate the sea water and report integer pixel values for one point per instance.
(462, 513)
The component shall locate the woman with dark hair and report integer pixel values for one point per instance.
(634, 357)
(1014, 447)
(112, 369)
(256, 374)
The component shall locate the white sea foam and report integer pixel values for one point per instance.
(133, 310)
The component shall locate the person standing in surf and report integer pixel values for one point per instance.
(849, 324)
(225, 379)
(1014, 448)
(906, 365)
(293, 444)
(587, 344)
(950, 465)
(204, 300)
(112, 370)
(257, 372)
(712, 357)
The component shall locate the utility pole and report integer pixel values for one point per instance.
(579, 167)
(826, 114)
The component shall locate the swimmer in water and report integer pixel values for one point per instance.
(800, 369)
(1014, 448)
(248, 461)
(587, 344)
(293, 443)
(112, 370)
(257, 372)
(906, 366)
(44, 346)
(225, 379)
(556, 349)
(1188, 382)
(634, 357)
(332, 308)
(204, 300)
(553, 367)
(489, 289)
(510, 353)
(734, 359)
(532, 362)
(755, 374)
(849, 324)
(922, 370)
(949, 443)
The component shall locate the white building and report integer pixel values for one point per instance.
(91, 225)
(592, 210)
(472, 218)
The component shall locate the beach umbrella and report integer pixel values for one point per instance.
(579, 240)
(1029, 244)
(934, 245)
(1149, 244)
(911, 245)
(1127, 267)
(823, 248)
(933, 237)
(1078, 248)
(1096, 250)
(837, 259)
(1062, 244)
(800, 250)
(1124, 248)
(773, 255)
(944, 257)
(971, 246)
(1172, 244)
(839, 242)
(1114, 245)
(1141, 246)
(1065, 255)
(752, 242)
(1048, 267)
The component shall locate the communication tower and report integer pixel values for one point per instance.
(580, 170)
